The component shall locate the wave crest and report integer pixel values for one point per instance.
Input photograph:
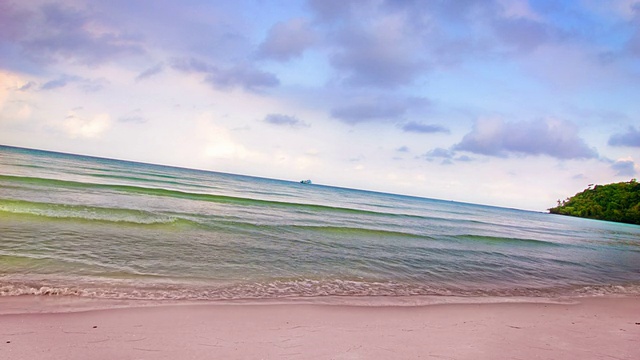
(302, 288)
(81, 212)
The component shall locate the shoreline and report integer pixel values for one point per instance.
(38, 304)
(591, 327)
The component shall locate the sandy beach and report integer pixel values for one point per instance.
(590, 328)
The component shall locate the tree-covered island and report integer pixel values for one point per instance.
(618, 202)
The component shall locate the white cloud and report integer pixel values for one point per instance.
(79, 126)
(218, 143)
(8, 83)
(15, 103)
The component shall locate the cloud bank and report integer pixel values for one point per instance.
(629, 138)
(424, 128)
(284, 120)
(496, 137)
(624, 167)
(287, 40)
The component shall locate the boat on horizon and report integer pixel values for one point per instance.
(305, 181)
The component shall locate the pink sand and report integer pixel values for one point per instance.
(594, 328)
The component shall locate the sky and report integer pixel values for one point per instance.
(509, 103)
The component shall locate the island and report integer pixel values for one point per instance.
(619, 202)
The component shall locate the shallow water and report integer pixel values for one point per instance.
(83, 226)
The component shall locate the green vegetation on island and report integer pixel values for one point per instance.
(618, 202)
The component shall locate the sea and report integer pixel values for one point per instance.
(88, 227)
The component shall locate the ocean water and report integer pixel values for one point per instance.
(90, 227)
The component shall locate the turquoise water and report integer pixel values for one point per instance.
(83, 226)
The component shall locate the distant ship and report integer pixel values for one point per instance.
(305, 181)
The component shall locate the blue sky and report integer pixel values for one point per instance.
(508, 103)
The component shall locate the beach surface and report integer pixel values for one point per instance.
(59, 328)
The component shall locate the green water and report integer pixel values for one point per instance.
(82, 226)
